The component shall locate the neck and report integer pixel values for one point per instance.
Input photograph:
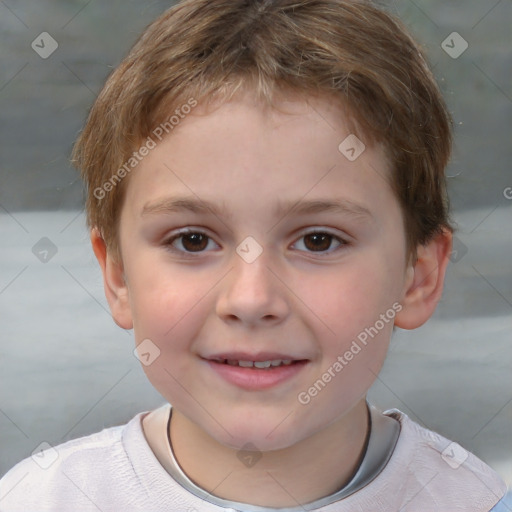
(309, 470)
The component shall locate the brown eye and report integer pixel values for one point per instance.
(194, 241)
(191, 242)
(320, 242)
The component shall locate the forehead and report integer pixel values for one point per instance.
(242, 152)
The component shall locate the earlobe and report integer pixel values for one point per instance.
(424, 282)
(116, 290)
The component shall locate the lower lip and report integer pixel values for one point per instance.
(254, 379)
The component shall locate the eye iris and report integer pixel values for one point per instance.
(196, 239)
(319, 237)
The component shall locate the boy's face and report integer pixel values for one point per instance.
(304, 298)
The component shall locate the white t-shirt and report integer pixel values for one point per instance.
(115, 470)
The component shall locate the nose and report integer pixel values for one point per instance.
(253, 294)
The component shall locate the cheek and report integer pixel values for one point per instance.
(350, 298)
(169, 308)
(169, 312)
(353, 338)
(164, 297)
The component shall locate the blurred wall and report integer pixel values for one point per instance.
(44, 101)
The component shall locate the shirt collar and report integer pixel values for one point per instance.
(384, 433)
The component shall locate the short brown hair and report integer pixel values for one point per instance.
(205, 49)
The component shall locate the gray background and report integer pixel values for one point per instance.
(67, 370)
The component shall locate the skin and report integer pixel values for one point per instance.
(309, 301)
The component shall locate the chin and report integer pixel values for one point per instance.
(265, 434)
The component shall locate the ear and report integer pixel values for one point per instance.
(114, 283)
(424, 282)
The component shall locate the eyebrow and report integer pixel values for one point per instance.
(300, 207)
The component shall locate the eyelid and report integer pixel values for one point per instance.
(343, 240)
(168, 240)
(324, 230)
(176, 235)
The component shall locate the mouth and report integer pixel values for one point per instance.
(269, 364)
(256, 372)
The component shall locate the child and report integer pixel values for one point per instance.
(266, 199)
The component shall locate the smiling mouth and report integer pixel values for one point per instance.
(256, 372)
(262, 365)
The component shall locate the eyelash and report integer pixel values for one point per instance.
(168, 242)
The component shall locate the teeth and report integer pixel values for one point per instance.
(262, 364)
(257, 364)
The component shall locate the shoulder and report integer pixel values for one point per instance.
(74, 472)
(113, 470)
(438, 472)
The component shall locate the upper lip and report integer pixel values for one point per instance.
(259, 357)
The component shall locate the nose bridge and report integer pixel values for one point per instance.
(251, 276)
(251, 291)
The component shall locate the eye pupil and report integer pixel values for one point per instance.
(196, 239)
(321, 238)
(197, 242)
